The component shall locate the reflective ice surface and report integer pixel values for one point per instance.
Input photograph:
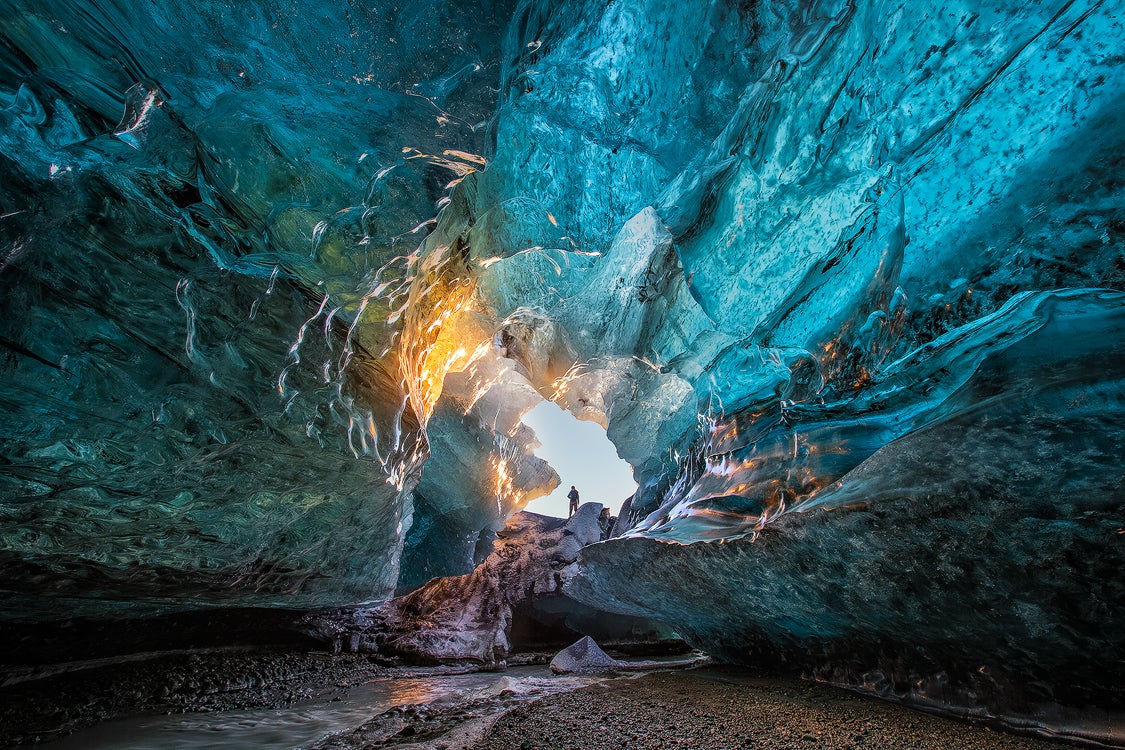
(209, 220)
(842, 282)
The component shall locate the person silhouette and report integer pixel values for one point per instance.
(573, 495)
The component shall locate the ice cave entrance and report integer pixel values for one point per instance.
(583, 456)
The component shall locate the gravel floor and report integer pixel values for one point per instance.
(37, 710)
(719, 709)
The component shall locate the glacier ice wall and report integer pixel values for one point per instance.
(202, 398)
(966, 562)
(883, 235)
(842, 282)
(863, 184)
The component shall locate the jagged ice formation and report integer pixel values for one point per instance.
(513, 601)
(842, 281)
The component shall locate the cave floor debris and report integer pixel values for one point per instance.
(708, 707)
(719, 708)
(43, 704)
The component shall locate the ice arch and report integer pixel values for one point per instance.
(786, 253)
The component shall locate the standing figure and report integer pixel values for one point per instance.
(573, 495)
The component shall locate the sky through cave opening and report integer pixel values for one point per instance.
(583, 456)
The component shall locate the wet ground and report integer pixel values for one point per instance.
(414, 708)
(45, 703)
(230, 699)
(726, 709)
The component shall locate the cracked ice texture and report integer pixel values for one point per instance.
(892, 244)
(197, 405)
(874, 180)
(839, 280)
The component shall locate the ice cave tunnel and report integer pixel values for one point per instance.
(842, 280)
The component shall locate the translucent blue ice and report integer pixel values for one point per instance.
(842, 281)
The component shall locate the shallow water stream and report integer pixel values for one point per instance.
(309, 721)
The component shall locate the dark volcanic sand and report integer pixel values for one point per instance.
(717, 708)
(712, 708)
(36, 710)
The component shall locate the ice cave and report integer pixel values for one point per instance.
(843, 282)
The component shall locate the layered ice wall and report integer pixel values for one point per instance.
(888, 300)
(842, 281)
(867, 180)
(855, 313)
(209, 221)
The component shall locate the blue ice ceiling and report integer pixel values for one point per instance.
(842, 281)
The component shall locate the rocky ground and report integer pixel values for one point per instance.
(512, 602)
(710, 708)
(723, 709)
(40, 704)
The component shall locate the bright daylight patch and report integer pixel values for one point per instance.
(583, 456)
